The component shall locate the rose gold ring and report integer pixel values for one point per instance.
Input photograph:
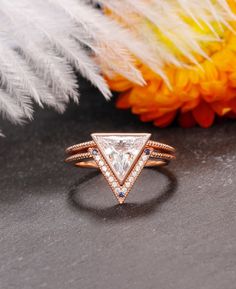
(120, 157)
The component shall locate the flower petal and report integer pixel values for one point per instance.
(165, 120)
(204, 115)
(186, 120)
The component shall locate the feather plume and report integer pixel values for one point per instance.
(42, 42)
(146, 17)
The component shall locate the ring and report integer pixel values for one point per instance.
(120, 157)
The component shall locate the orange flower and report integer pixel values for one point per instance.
(197, 96)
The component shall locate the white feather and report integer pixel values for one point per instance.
(165, 18)
(43, 41)
(103, 37)
(10, 109)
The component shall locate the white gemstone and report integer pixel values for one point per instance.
(114, 184)
(134, 174)
(101, 163)
(131, 179)
(127, 184)
(124, 190)
(111, 179)
(117, 190)
(137, 168)
(121, 151)
(144, 157)
(107, 174)
(104, 168)
(97, 158)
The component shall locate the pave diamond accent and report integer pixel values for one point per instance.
(121, 151)
(121, 191)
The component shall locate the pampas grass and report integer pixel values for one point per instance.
(43, 43)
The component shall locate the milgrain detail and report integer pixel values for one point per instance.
(163, 156)
(158, 145)
(80, 147)
(78, 157)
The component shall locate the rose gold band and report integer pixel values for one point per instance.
(81, 157)
(120, 158)
(84, 146)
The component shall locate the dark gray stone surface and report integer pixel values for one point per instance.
(61, 227)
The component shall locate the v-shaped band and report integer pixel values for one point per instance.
(120, 157)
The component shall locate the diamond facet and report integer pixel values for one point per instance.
(121, 151)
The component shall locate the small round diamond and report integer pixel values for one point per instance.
(97, 158)
(131, 179)
(137, 168)
(101, 163)
(111, 179)
(114, 184)
(140, 163)
(134, 174)
(127, 184)
(124, 190)
(107, 174)
(104, 169)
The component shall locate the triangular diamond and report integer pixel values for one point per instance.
(121, 151)
(120, 191)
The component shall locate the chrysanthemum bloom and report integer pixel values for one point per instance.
(196, 93)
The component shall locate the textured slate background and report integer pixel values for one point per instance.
(61, 228)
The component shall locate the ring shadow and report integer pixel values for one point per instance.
(126, 210)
